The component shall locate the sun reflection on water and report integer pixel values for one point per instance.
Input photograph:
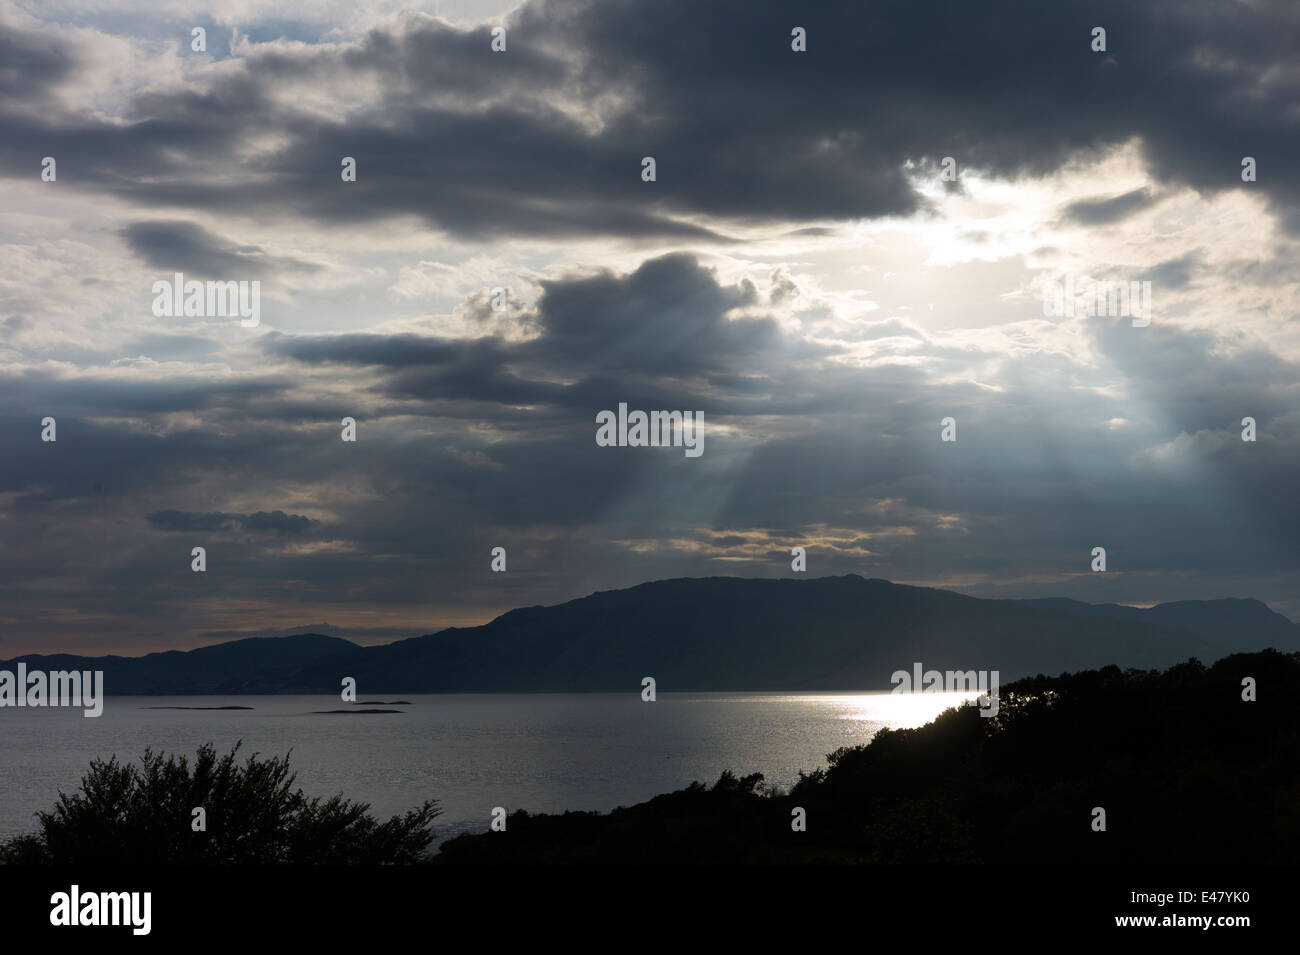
(897, 710)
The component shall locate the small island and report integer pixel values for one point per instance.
(196, 707)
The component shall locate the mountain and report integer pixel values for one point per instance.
(1208, 618)
(827, 633)
(718, 633)
(239, 666)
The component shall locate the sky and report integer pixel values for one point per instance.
(841, 246)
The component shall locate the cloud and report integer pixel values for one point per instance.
(1105, 211)
(795, 273)
(187, 247)
(185, 521)
(1173, 273)
(669, 316)
(32, 62)
(274, 522)
(548, 138)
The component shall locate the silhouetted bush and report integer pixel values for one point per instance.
(144, 814)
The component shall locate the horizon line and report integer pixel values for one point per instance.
(310, 631)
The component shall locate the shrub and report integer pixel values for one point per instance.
(144, 814)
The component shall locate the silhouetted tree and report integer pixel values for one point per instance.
(253, 814)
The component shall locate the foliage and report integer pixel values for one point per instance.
(254, 815)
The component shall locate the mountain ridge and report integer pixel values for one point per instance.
(716, 633)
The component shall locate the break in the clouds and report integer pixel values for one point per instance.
(806, 269)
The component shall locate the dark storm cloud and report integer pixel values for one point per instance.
(278, 522)
(482, 143)
(274, 522)
(187, 247)
(1110, 210)
(661, 330)
(187, 521)
(393, 351)
(43, 393)
(669, 316)
(31, 63)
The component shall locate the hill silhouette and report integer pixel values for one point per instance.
(251, 665)
(1185, 770)
(719, 633)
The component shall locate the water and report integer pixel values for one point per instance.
(540, 752)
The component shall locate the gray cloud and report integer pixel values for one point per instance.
(186, 247)
(827, 439)
(274, 522)
(861, 455)
(484, 144)
(31, 63)
(1174, 273)
(1106, 211)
